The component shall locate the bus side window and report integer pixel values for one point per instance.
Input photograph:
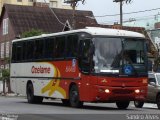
(14, 52)
(84, 55)
(72, 46)
(59, 48)
(30, 49)
(39, 48)
(19, 51)
(49, 48)
(24, 51)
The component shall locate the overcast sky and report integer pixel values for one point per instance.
(108, 7)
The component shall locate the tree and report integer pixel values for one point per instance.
(5, 79)
(32, 32)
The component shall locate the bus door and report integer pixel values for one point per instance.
(84, 66)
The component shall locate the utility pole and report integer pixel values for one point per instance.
(121, 10)
(73, 4)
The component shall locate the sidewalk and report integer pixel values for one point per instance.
(10, 95)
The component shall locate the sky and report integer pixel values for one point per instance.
(108, 7)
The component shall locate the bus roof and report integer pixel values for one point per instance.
(93, 31)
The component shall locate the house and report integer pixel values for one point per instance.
(16, 19)
(50, 3)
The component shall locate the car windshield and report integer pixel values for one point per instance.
(158, 78)
(113, 53)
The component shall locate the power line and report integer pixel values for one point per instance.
(136, 19)
(56, 16)
(129, 13)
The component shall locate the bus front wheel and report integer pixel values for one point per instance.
(138, 104)
(74, 97)
(122, 104)
(30, 95)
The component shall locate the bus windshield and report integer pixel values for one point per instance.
(119, 55)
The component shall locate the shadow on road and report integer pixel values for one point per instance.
(85, 107)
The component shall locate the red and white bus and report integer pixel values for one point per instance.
(85, 65)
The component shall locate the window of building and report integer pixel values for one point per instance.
(30, 0)
(7, 49)
(7, 66)
(2, 50)
(2, 66)
(5, 26)
(53, 4)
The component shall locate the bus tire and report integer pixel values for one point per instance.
(74, 97)
(30, 95)
(158, 101)
(122, 104)
(138, 104)
(66, 102)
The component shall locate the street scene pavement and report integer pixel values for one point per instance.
(54, 109)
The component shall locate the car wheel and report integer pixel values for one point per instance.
(74, 97)
(138, 104)
(122, 104)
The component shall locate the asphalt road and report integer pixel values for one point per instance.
(18, 107)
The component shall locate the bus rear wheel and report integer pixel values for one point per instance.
(30, 95)
(122, 104)
(74, 97)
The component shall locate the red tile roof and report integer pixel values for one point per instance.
(25, 18)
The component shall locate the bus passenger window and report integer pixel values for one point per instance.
(19, 51)
(49, 48)
(24, 51)
(59, 51)
(30, 49)
(72, 46)
(39, 48)
(84, 58)
(14, 52)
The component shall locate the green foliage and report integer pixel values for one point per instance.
(32, 32)
(5, 74)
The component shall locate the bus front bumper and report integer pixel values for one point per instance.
(113, 94)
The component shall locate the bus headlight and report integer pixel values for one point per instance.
(137, 91)
(107, 91)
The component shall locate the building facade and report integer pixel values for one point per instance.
(51, 3)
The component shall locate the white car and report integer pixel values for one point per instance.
(153, 95)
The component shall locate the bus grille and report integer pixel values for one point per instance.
(122, 91)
